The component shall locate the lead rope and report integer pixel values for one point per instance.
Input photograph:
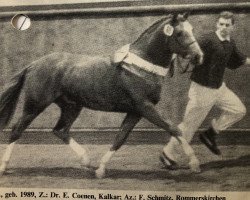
(185, 69)
(176, 62)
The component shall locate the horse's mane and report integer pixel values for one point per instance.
(151, 28)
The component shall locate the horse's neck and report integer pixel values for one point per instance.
(153, 52)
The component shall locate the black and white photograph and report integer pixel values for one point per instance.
(125, 99)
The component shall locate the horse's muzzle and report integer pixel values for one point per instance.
(196, 54)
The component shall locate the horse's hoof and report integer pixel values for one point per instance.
(195, 166)
(100, 173)
(168, 163)
(85, 162)
(1, 172)
(2, 169)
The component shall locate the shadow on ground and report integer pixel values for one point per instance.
(243, 161)
(181, 175)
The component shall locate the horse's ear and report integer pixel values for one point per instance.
(180, 17)
(175, 18)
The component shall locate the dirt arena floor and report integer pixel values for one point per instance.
(41, 161)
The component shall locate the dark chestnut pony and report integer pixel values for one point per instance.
(130, 83)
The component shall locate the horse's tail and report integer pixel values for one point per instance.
(9, 98)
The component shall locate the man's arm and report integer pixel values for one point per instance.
(238, 59)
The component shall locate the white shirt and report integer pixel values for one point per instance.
(222, 38)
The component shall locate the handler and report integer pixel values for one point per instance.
(207, 89)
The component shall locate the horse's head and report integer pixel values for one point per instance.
(172, 34)
(181, 39)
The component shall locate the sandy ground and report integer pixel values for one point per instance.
(134, 167)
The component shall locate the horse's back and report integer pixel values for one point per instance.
(51, 72)
(90, 80)
(96, 83)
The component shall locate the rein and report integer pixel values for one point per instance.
(188, 45)
(184, 69)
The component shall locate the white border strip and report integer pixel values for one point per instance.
(77, 130)
(133, 9)
(52, 2)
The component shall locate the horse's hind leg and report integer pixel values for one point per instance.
(29, 114)
(128, 124)
(69, 113)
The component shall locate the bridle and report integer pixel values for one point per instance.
(183, 69)
(185, 46)
(178, 62)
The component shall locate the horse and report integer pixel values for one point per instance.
(129, 82)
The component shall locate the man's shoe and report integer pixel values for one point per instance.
(167, 162)
(209, 139)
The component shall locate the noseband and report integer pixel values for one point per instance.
(184, 69)
(195, 41)
(185, 46)
(176, 61)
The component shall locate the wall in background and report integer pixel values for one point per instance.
(103, 35)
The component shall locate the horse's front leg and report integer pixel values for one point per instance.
(147, 110)
(128, 124)
(194, 163)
